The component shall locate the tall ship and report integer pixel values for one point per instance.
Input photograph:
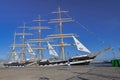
(51, 43)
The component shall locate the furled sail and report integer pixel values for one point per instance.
(30, 50)
(80, 46)
(51, 50)
(13, 47)
(16, 56)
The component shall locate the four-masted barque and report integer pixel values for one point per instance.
(37, 51)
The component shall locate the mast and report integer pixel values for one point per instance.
(39, 40)
(13, 48)
(23, 34)
(62, 42)
(60, 21)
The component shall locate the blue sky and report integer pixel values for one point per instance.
(100, 17)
